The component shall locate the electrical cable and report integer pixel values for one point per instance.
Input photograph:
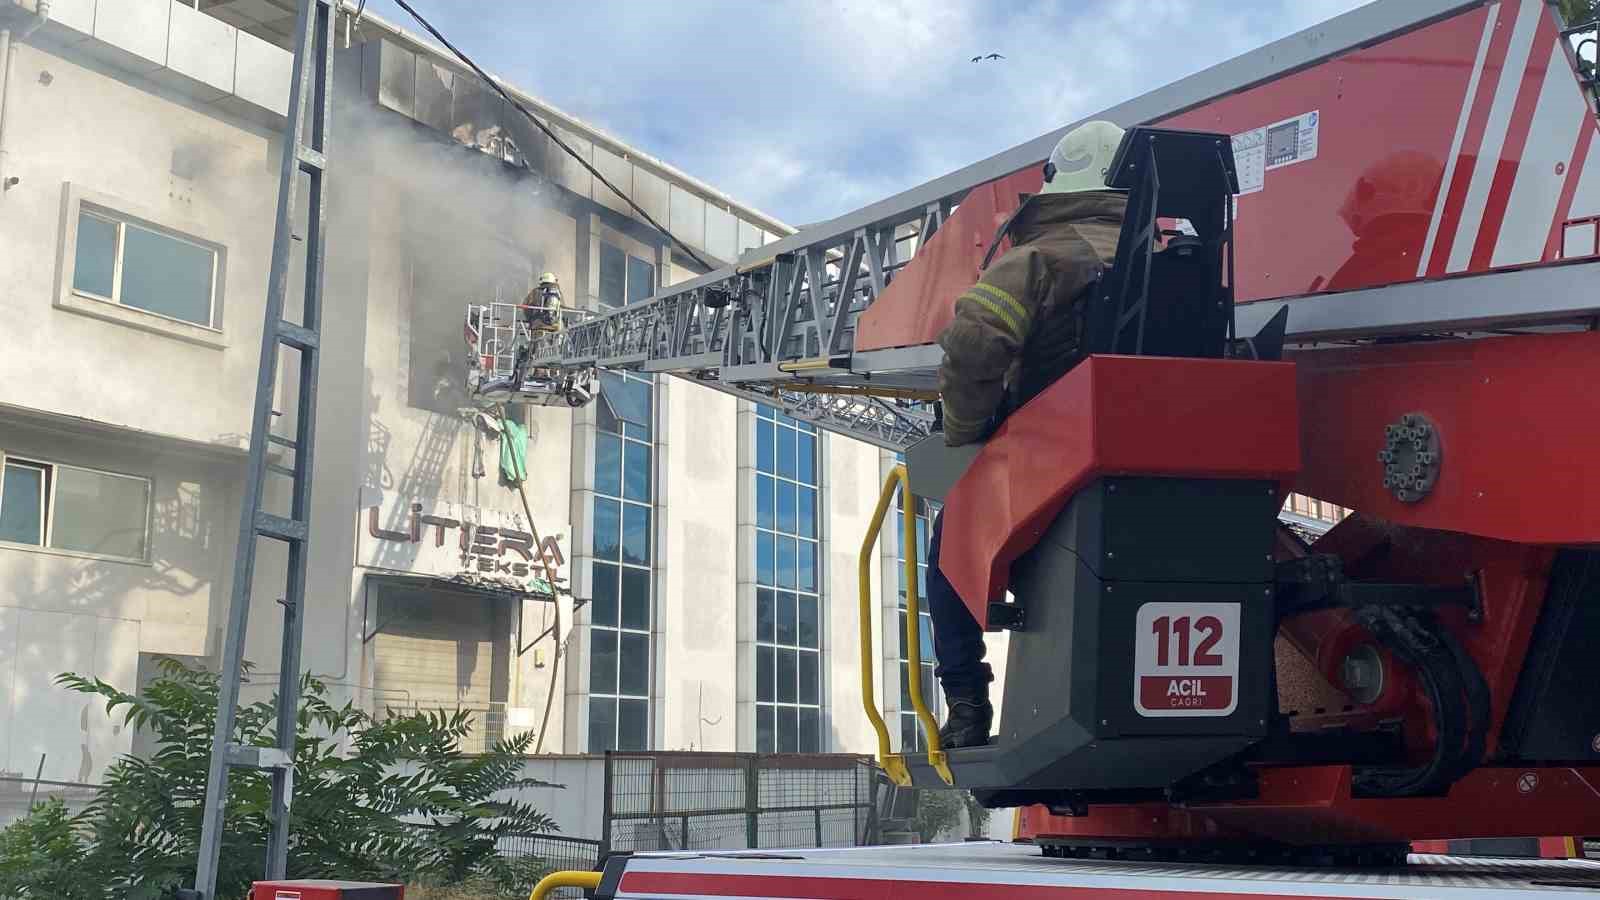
(555, 601)
(550, 133)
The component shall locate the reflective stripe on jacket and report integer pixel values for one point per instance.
(1016, 330)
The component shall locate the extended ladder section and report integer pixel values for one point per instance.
(836, 324)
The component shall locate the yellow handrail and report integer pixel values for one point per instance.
(908, 540)
(894, 764)
(587, 880)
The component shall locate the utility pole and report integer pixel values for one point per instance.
(304, 151)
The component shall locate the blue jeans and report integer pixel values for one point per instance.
(957, 637)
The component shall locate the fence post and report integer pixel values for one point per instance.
(857, 821)
(608, 809)
(658, 802)
(752, 796)
(818, 814)
(33, 799)
(874, 782)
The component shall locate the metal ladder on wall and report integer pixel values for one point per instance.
(304, 151)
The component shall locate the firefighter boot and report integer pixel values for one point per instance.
(968, 723)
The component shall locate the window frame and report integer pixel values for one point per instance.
(48, 508)
(627, 433)
(77, 202)
(907, 717)
(775, 530)
(628, 260)
(118, 252)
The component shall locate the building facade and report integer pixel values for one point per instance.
(711, 544)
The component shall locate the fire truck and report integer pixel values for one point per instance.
(1358, 264)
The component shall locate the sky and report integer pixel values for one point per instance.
(810, 109)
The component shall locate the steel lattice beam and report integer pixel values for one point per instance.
(786, 313)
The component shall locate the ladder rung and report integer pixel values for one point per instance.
(282, 470)
(297, 336)
(311, 160)
(281, 441)
(278, 527)
(250, 757)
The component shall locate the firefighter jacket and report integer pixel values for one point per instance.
(1016, 330)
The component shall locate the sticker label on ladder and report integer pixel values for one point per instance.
(1260, 150)
(1186, 659)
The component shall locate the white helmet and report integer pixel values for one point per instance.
(1082, 159)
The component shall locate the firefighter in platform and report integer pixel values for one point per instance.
(542, 308)
(1014, 333)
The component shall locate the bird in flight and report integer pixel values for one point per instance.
(990, 56)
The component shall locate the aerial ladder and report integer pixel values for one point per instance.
(1359, 264)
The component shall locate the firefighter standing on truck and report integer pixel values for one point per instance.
(1014, 333)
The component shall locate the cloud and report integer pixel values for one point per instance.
(808, 109)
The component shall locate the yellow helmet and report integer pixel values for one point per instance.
(1082, 159)
(548, 278)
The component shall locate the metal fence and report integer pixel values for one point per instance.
(19, 794)
(555, 851)
(488, 721)
(725, 801)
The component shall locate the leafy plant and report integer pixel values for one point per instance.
(977, 815)
(937, 813)
(42, 850)
(383, 799)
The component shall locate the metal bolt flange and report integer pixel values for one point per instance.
(1410, 457)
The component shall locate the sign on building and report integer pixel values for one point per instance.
(452, 540)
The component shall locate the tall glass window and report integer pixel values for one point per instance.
(788, 609)
(621, 610)
(911, 737)
(624, 278)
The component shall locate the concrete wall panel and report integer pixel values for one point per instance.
(749, 236)
(77, 15)
(620, 173)
(568, 172)
(10, 654)
(54, 721)
(224, 192)
(849, 493)
(699, 607)
(688, 218)
(722, 234)
(202, 48)
(263, 74)
(651, 191)
(137, 28)
(396, 76)
(435, 91)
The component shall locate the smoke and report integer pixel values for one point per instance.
(470, 225)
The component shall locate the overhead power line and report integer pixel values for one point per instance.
(550, 133)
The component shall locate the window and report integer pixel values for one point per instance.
(911, 736)
(641, 279)
(624, 278)
(1317, 509)
(70, 508)
(788, 606)
(620, 611)
(120, 261)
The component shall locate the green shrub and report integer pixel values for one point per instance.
(390, 799)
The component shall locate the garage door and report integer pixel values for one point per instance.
(441, 650)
